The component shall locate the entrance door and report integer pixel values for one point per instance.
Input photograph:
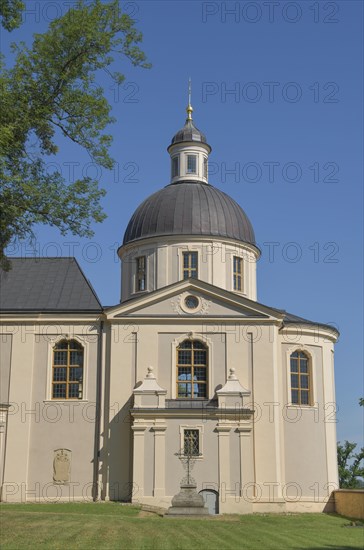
(211, 499)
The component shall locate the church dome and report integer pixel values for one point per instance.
(190, 208)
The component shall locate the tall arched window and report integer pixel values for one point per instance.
(301, 390)
(192, 363)
(67, 370)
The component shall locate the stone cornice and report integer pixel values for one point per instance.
(236, 415)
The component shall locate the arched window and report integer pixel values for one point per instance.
(67, 370)
(300, 379)
(192, 363)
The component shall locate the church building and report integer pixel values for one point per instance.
(189, 367)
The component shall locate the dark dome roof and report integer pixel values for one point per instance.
(189, 132)
(189, 208)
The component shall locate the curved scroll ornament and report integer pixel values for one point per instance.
(62, 466)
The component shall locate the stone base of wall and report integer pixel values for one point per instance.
(47, 492)
(233, 505)
(350, 503)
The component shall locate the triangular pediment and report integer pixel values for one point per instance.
(191, 298)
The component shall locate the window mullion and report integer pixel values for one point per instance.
(299, 380)
(68, 370)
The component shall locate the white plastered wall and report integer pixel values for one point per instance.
(38, 425)
(165, 260)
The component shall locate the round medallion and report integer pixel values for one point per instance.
(191, 302)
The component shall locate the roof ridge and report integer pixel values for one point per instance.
(88, 282)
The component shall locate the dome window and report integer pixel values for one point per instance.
(191, 164)
(205, 168)
(190, 265)
(175, 166)
(238, 273)
(141, 273)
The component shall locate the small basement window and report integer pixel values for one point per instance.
(191, 442)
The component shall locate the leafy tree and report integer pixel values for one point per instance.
(10, 12)
(52, 88)
(348, 473)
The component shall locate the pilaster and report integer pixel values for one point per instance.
(138, 459)
(159, 459)
(223, 433)
(247, 477)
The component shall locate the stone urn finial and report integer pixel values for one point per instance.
(150, 373)
(149, 393)
(232, 375)
(230, 396)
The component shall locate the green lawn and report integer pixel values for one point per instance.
(111, 525)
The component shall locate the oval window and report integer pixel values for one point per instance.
(191, 302)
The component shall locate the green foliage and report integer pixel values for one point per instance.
(10, 13)
(52, 87)
(350, 467)
(117, 527)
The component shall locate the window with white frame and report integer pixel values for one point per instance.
(205, 168)
(141, 273)
(190, 265)
(191, 442)
(238, 273)
(175, 166)
(191, 164)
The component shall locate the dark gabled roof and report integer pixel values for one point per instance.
(291, 319)
(190, 208)
(46, 284)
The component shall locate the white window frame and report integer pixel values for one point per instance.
(136, 290)
(176, 157)
(199, 428)
(183, 252)
(205, 167)
(195, 156)
(241, 291)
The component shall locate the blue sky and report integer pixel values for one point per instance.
(277, 88)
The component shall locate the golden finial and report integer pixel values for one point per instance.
(189, 106)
